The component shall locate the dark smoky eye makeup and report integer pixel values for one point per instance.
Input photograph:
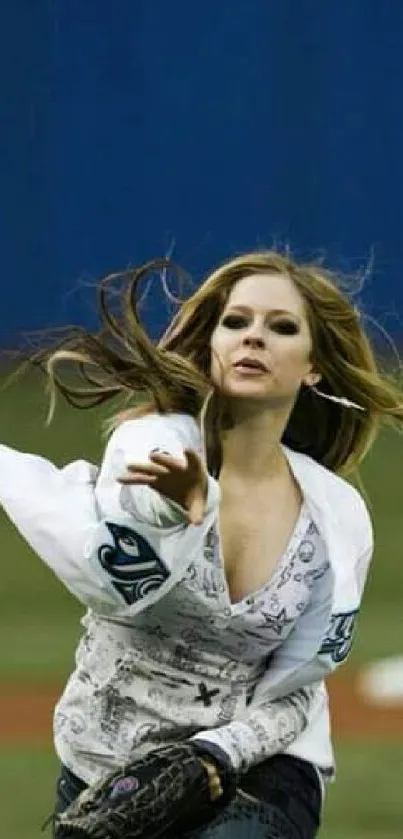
(285, 327)
(234, 321)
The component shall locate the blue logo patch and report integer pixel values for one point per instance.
(132, 564)
(339, 636)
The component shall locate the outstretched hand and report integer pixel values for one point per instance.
(185, 483)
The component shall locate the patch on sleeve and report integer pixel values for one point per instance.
(131, 563)
(339, 636)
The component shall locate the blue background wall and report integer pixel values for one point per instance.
(220, 124)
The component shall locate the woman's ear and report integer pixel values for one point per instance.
(311, 379)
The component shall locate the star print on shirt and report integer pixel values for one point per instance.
(276, 622)
(312, 529)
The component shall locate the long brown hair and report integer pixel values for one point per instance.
(173, 373)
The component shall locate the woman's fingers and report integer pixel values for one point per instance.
(162, 463)
(137, 478)
(147, 471)
(168, 461)
(147, 468)
(194, 461)
(140, 473)
(197, 509)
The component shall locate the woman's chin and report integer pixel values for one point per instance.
(258, 398)
(248, 389)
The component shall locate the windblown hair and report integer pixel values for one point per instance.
(173, 374)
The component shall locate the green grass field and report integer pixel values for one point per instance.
(40, 625)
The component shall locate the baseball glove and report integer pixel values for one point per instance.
(163, 794)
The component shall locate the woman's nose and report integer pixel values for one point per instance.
(254, 340)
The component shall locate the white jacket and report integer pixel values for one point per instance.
(80, 522)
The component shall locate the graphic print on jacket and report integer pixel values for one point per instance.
(131, 563)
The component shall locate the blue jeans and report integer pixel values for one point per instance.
(288, 806)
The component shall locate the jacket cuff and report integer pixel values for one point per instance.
(206, 747)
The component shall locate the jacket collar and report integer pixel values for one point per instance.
(323, 494)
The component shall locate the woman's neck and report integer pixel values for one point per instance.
(251, 448)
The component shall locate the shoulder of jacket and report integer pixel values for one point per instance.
(338, 495)
(182, 426)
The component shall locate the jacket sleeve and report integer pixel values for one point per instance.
(303, 659)
(54, 511)
(278, 712)
(284, 697)
(115, 548)
(266, 729)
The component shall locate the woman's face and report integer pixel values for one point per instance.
(261, 346)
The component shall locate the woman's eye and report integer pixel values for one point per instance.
(285, 327)
(234, 321)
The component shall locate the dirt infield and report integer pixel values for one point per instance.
(26, 714)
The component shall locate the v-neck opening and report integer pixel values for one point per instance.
(300, 527)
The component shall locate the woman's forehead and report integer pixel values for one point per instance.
(267, 291)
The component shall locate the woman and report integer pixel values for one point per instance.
(220, 551)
